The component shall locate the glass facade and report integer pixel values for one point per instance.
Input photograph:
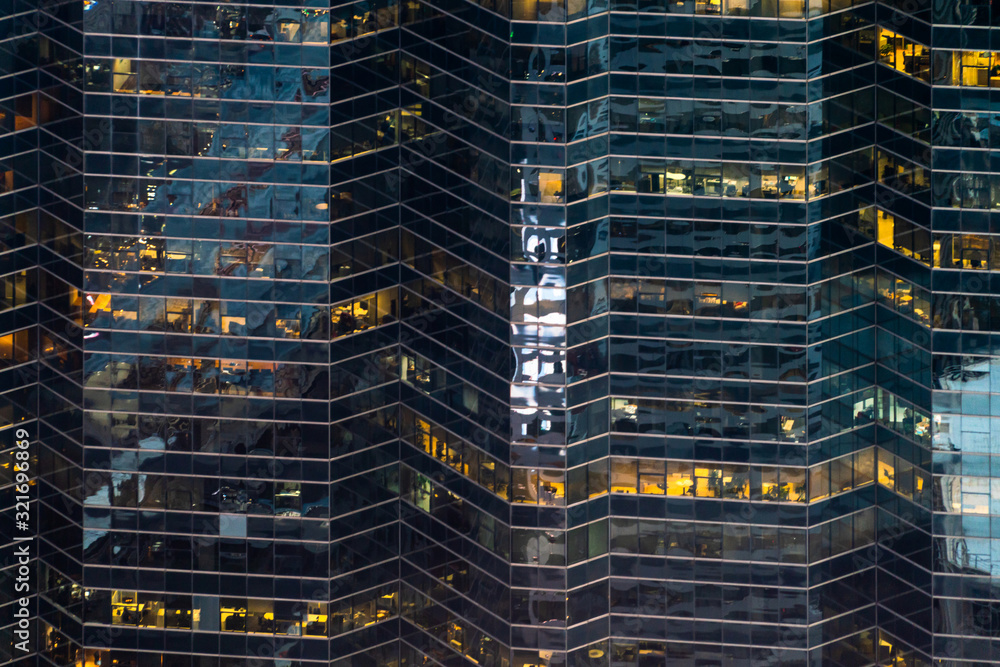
(22, 111)
(598, 333)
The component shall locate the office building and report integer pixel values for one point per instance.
(510, 333)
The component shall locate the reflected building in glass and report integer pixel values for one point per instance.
(511, 333)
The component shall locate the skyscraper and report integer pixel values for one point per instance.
(544, 332)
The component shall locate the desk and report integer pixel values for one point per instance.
(351, 318)
(317, 627)
(233, 620)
